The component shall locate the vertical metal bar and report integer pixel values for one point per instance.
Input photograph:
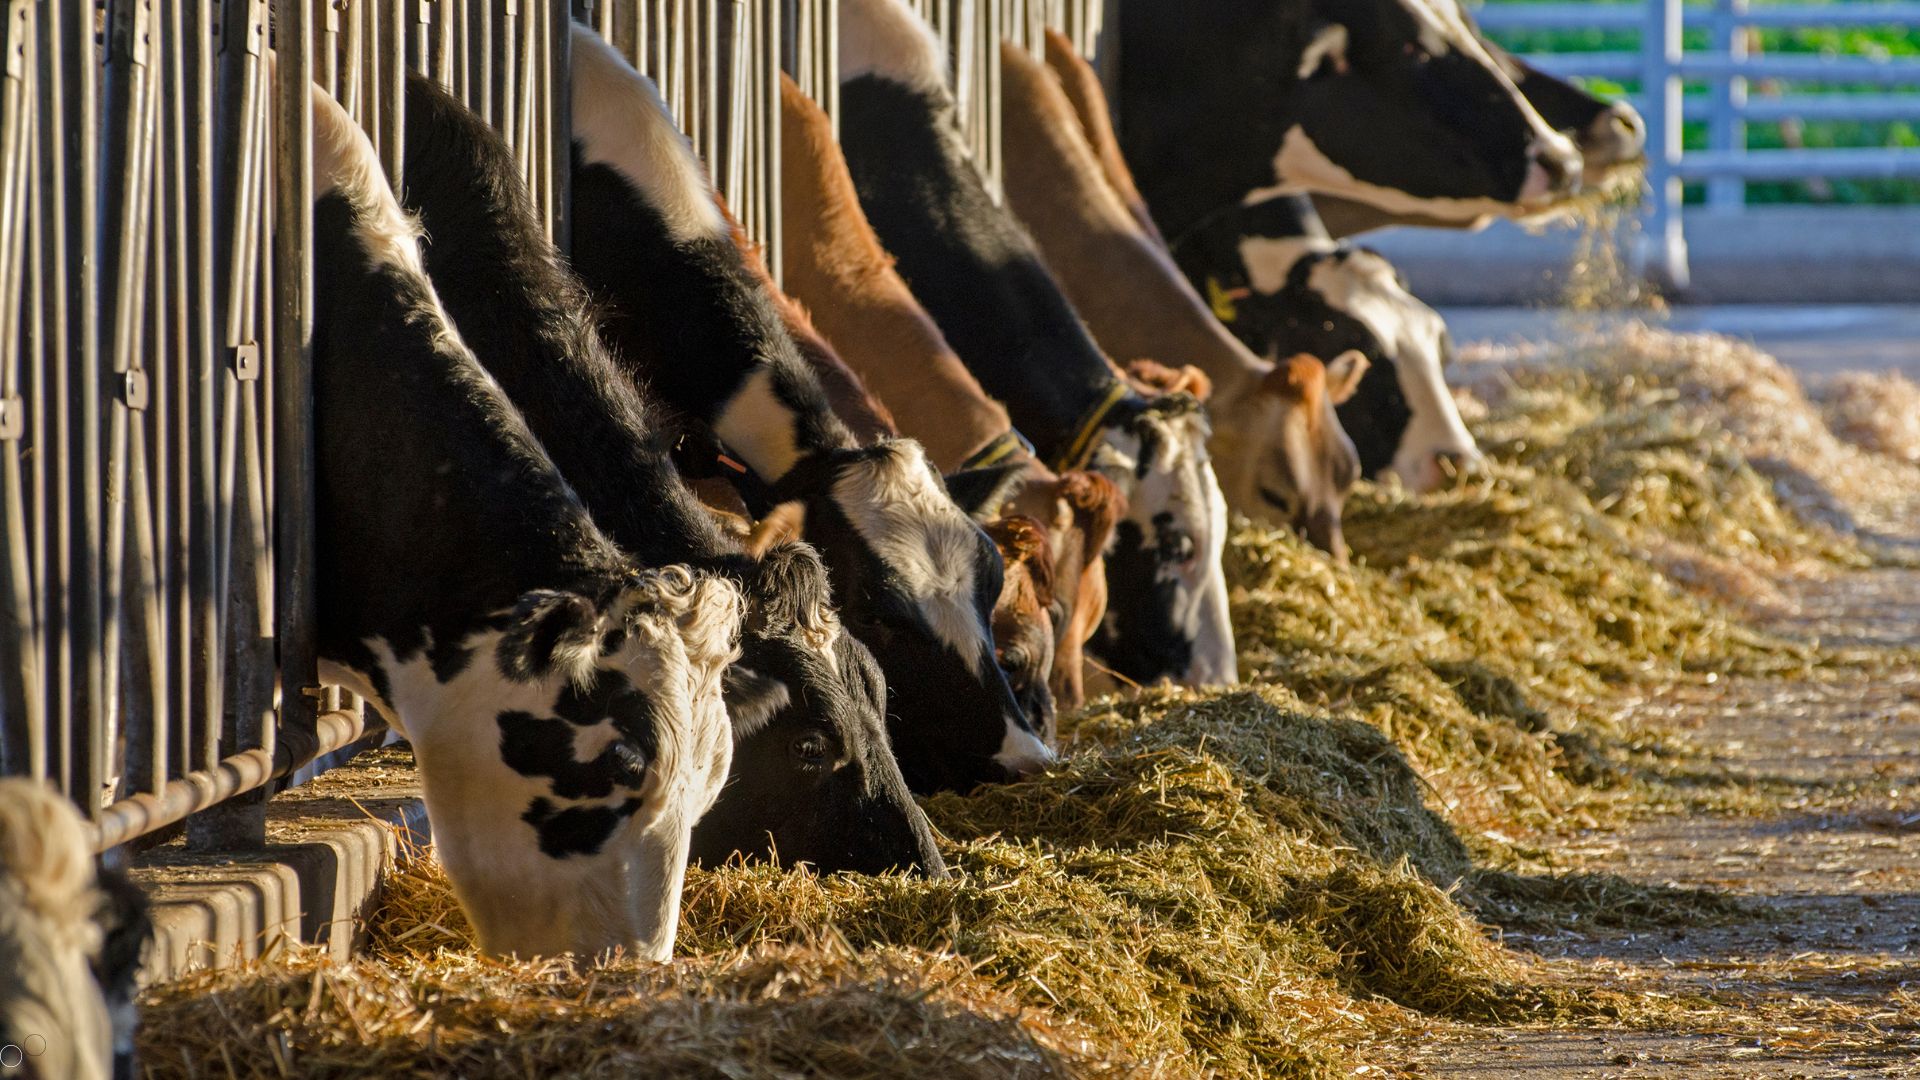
(87, 382)
(393, 90)
(1665, 251)
(560, 123)
(293, 450)
(22, 718)
(1726, 131)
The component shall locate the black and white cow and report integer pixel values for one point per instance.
(981, 278)
(1610, 135)
(815, 777)
(1397, 103)
(71, 938)
(917, 577)
(563, 699)
(1283, 286)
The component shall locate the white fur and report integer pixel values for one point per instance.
(1270, 259)
(620, 121)
(1364, 286)
(886, 38)
(915, 529)
(1180, 481)
(48, 936)
(344, 161)
(758, 426)
(681, 630)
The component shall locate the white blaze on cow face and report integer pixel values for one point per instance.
(1161, 464)
(620, 121)
(1413, 336)
(541, 870)
(896, 504)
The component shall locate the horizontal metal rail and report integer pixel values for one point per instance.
(1793, 68)
(1600, 16)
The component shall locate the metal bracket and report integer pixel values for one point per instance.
(331, 22)
(18, 13)
(426, 12)
(13, 418)
(256, 42)
(246, 361)
(134, 390)
(511, 9)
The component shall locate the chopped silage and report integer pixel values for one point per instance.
(1239, 883)
(1878, 411)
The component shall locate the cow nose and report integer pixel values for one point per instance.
(1553, 171)
(1616, 136)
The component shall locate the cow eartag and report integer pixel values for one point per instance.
(1221, 300)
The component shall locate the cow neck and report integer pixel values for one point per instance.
(409, 419)
(530, 324)
(969, 262)
(1190, 132)
(838, 268)
(1110, 267)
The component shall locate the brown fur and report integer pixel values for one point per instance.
(836, 266)
(1082, 86)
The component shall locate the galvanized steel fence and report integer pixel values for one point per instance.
(1662, 67)
(156, 456)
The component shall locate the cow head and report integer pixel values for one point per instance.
(1166, 614)
(1023, 622)
(814, 778)
(1305, 294)
(1610, 135)
(604, 737)
(918, 580)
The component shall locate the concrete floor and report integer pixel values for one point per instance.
(1814, 339)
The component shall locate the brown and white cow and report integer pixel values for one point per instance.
(1125, 285)
(835, 264)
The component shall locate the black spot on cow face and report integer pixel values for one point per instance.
(815, 781)
(1376, 417)
(1140, 638)
(575, 830)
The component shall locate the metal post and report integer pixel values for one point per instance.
(1663, 252)
(1726, 130)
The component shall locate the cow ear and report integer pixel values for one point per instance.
(1294, 378)
(980, 492)
(753, 700)
(782, 524)
(551, 633)
(1325, 51)
(1343, 375)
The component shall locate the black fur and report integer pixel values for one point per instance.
(1209, 90)
(692, 321)
(531, 323)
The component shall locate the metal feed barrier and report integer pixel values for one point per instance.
(157, 656)
(1662, 67)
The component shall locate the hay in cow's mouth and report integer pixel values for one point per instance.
(1239, 883)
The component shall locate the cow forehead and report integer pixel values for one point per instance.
(902, 515)
(1363, 286)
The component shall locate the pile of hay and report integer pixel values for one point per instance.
(1876, 411)
(1247, 883)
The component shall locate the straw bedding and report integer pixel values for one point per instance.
(1239, 883)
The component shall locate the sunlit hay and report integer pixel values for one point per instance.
(1235, 885)
(1874, 410)
(1711, 388)
(808, 1010)
(1589, 901)
(1602, 275)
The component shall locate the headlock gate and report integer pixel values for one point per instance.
(156, 416)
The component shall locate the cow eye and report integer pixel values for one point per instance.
(1013, 658)
(813, 750)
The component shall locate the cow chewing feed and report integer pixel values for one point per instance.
(1396, 103)
(1283, 286)
(979, 276)
(917, 578)
(1022, 628)
(563, 701)
(1125, 285)
(1610, 135)
(801, 682)
(835, 264)
(71, 936)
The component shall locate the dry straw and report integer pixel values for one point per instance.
(1242, 884)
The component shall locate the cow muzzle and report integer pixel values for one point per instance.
(1554, 171)
(1618, 136)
